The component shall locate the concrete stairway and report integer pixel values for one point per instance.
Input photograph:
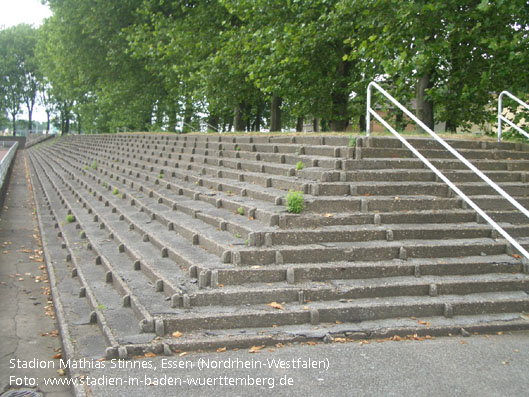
(189, 234)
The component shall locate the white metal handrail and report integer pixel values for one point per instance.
(503, 118)
(454, 152)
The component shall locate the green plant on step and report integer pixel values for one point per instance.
(70, 218)
(94, 165)
(160, 176)
(237, 235)
(295, 202)
(240, 211)
(300, 165)
(115, 191)
(352, 141)
(105, 184)
(85, 168)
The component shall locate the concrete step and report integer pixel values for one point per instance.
(347, 312)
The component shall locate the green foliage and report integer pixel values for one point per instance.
(237, 235)
(300, 165)
(240, 211)
(105, 184)
(352, 142)
(20, 72)
(160, 176)
(94, 165)
(115, 192)
(70, 218)
(295, 202)
(230, 59)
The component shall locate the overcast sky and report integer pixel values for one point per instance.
(13, 12)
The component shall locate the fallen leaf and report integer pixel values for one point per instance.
(57, 356)
(516, 256)
(61, 372)
(177, 334)
(329, 215)
(182, 354)
(150, 354)
(221, 349)
(279, 345)
(276, 305)
(255, 349)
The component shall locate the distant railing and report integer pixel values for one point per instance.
(501, 117)
(371, 112)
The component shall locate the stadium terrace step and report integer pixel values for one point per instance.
(190, 233)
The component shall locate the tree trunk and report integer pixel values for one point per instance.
(171, 126)
(14, 115)
(400, 122)
(299, 124)
(362, 123)
(238, 120)
(47, 122)
(339, 121)
(316, 125)
(451, 126)
(188, 115)
(275, 116)
(30, 120)
(423, 103)
(213, 122)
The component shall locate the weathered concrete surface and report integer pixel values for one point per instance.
(495, 365)
(28, 329)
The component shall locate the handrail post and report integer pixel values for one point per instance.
(368, 114)
(500, 109)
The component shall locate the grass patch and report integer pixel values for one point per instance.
(240, 211)
(115, 191)
(300, 165)
(94, 165)
(295, 202)
(70, 218)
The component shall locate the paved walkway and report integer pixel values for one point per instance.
(28, 328)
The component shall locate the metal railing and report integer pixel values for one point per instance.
(371, 112)
(501, 117)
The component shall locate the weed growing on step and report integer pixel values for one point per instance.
(105, 184)
(352, 141)
(115, 191)
(160, 176)
(295, 202)
(246, 242)
(85, 168)
(240, 211)
(101, 306)
(237, 148)
(237, 235)
(94, 165)
(70, 218)
(300, 165)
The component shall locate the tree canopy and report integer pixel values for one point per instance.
(105, 65)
